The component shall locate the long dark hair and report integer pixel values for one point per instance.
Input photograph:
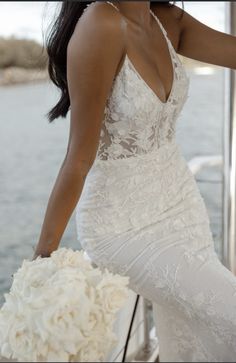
(56, 46)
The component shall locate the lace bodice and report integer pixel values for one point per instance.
(135, 120)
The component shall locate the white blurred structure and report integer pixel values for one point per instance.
(199, 162)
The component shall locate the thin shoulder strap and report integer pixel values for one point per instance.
(109, 2)
(123, 22)
(159, 22)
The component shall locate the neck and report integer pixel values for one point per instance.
(137, 12)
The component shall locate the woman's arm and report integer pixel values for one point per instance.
(200, 42)
(93, 54)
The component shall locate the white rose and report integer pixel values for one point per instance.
(91, 351)
(31, 275)
(94, 277)
(112, 292)
(67, 257)
(57, 356)
(71, 312)
(19, 339)
(96, 318)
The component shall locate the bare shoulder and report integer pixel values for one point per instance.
(98, 40)
(94, 52)
(98, 20)
(171, 19)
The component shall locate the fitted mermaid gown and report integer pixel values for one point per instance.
(141, 214)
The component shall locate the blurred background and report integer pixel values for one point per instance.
(32, 150)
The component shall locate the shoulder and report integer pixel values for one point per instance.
(99, 29)
(99, 20)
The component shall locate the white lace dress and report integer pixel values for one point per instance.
(141, 214)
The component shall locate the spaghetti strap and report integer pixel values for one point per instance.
(160, 24)
(109, 2)
(171, 47)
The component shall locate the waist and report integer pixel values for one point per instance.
(130, 166)
(132, 192)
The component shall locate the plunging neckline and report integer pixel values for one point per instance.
(127, 58)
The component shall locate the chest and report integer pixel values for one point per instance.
(134, 102)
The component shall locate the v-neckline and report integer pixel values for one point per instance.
(170, 54)
(171, 59)
(146, 84)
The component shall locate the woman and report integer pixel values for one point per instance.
(139, 211)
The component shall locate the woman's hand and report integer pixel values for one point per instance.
(42, 254)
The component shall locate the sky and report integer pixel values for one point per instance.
(30, 19)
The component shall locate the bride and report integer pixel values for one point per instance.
(139, 211)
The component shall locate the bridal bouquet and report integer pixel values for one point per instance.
(61, 309)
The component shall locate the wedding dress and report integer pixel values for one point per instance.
(141, 214)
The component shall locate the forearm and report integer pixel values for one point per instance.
(62, 201)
